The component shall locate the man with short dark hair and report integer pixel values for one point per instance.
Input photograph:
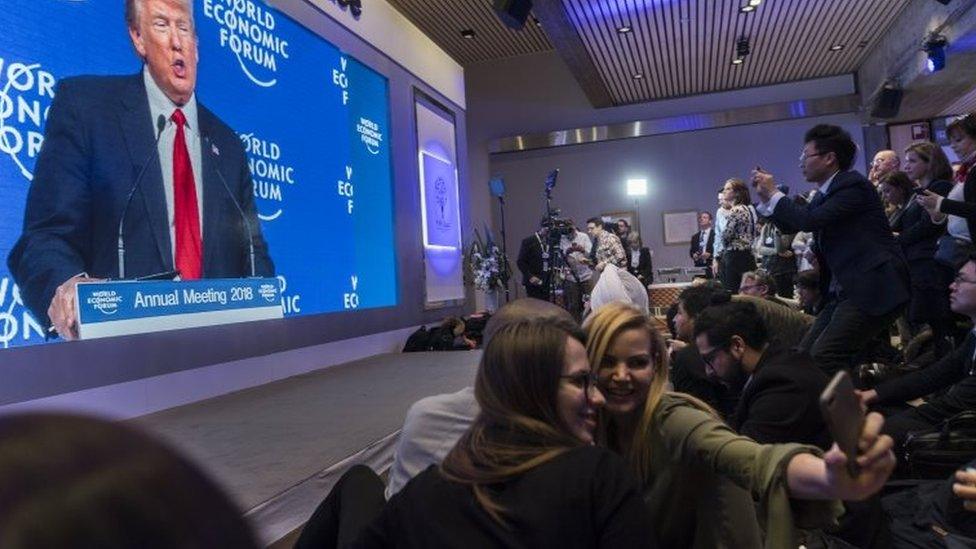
(703, 244)
(534, 263)
(607, 248)
(762, 284)
(863, 274)
(781, 388)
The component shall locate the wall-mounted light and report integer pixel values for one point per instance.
(934, 47)
(636, 187)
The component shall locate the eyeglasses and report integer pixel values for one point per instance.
(960, 280)
(746, 287)
(709, 357)
(582, 380)
(804, 156)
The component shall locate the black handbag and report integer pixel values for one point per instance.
(938, 452)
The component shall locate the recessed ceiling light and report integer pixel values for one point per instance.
(468, 34)
(837, 47)
(624, 29)
(737, 61)
(536, 21)
(638, 76)
(747, 9)
(755, 3)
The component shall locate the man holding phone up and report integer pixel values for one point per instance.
(863, 273)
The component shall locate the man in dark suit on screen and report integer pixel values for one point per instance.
(863, 274)
(98, 156)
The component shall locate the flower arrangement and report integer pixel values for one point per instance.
(487, 265)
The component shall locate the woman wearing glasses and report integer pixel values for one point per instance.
(699, 477)
(526, 474)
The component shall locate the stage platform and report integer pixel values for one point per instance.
(280, 447)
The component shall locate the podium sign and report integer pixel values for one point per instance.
(108, 309)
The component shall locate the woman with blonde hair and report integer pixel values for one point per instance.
(686, 459)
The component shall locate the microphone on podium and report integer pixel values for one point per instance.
(210, 149)
(160, 126)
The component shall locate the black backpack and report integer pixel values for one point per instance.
(418, 341)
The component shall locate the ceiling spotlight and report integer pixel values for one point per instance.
(747, 9)
(638, 76)
(467, 34)
(935, 47)
(737, 61)
(624, 29)
(837, 47)
(742, 46)
(755, 3)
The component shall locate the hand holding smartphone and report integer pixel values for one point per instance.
(842, 411)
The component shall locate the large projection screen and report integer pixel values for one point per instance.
(314, 123)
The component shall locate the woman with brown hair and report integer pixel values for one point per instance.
(738, 236)
(687, 460)
(526, 474)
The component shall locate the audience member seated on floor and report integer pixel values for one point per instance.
(808, 291)
(679, 448)
(616, 284)
(953, 377)
(864, 275)
(786, 329)
(762, 284)
(935, 513)
(526, 474)
(435, 423)
(73, 481)
(780, 401)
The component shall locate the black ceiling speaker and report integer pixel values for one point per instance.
(888, 102)
(513, 12)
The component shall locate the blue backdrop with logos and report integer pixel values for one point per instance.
(314, 123)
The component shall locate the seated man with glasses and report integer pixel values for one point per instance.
(781, 387)
(953, 377)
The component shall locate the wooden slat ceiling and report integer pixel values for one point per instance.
(686, 47)
(443, 21)
(680, 47)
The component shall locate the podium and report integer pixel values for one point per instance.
(115, 308)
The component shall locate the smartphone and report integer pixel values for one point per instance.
(918, 191)
(842, 411)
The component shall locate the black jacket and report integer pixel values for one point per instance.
(781, 401)
(645, 270)
(530, 260)
(853, 243)
(917, 235)
(967, 208)
(955, 372)
(709, 248)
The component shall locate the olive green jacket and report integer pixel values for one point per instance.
(705, 479)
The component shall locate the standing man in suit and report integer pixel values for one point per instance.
(533, 261)
(703, 244)
(863, 274)
(954, 376)
(101, 154)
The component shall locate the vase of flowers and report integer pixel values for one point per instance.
(487, 268)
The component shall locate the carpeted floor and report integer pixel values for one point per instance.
(262, 442)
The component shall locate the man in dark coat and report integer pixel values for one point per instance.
(781, 387)
(863, 274)
(533, 262)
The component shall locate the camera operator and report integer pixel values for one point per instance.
(533, 261)
(576, 247)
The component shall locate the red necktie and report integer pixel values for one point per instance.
(189, 246)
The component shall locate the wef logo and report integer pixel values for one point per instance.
(105, 301)
(247, 29)
(26, 92)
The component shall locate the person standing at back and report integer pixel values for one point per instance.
(863, 274)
